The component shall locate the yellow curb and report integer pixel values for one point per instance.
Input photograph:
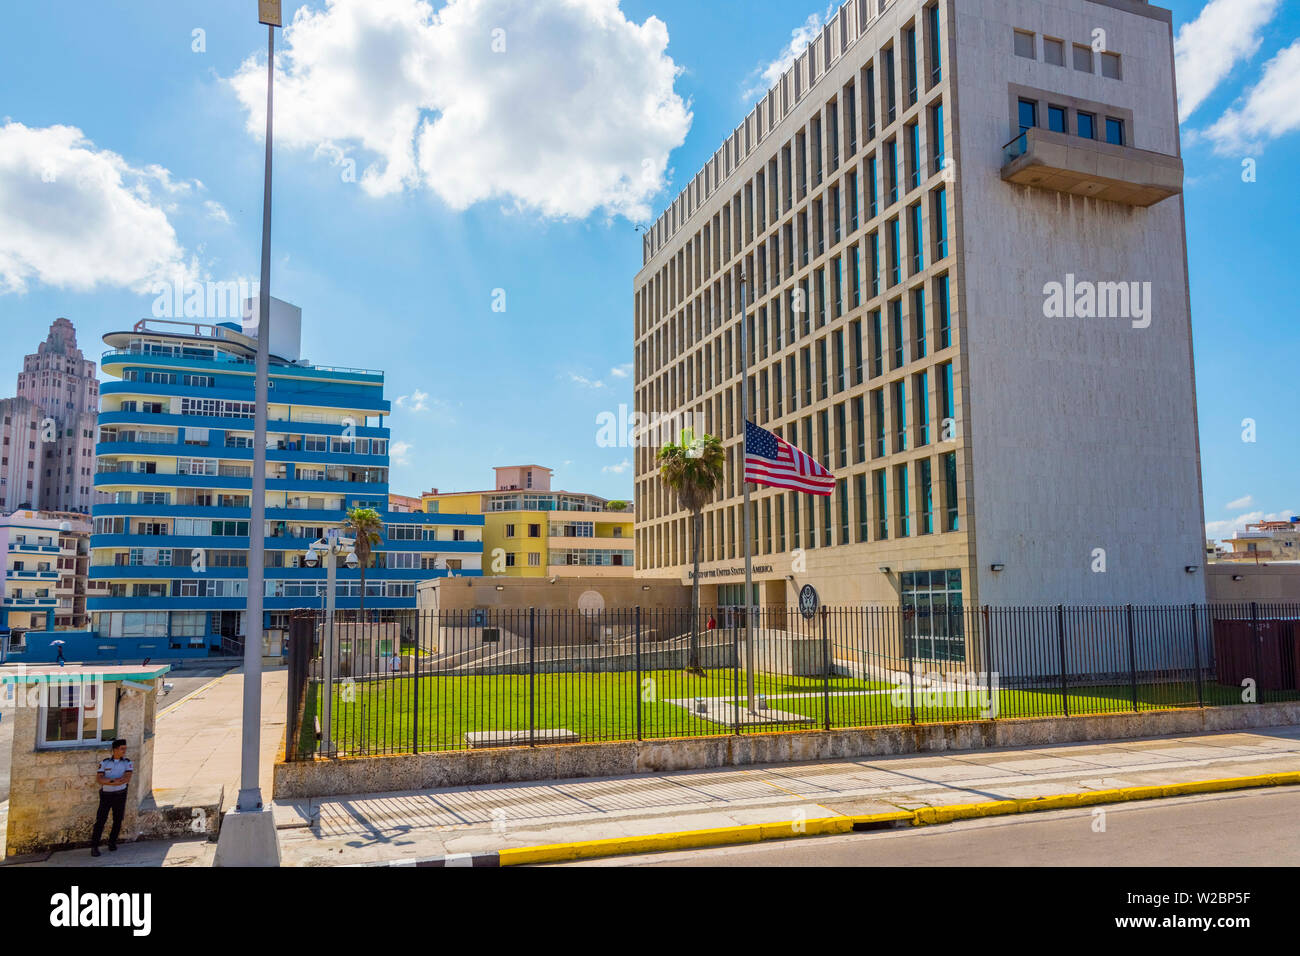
(928, 816)
(198, 690)
(822, 826)
(693, 839)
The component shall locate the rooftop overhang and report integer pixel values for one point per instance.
(1086, 167)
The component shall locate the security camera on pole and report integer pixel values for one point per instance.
(331, 548)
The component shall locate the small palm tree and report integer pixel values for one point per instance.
(364, 526)
(693, 469)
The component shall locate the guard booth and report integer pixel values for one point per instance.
(64, 722)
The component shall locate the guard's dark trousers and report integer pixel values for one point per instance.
(115, 802)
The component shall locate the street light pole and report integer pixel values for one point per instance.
(248, 836)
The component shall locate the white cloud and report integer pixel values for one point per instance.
(217, 211)
(1268, 110)
(621, 371)
(1244, 502)
(1218, 530)
(584, 381)
(74, 216)
(765, 77)
(399, 453)
(618, 469)
(1225, 33)
(417, 401)
(576, 113)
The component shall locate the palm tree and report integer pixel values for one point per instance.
(364, 526)
(693, 469)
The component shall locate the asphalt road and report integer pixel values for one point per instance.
(187, 681)
(1246, 828)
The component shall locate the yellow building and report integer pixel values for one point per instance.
(532, 531)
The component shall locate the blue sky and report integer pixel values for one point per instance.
(396, 251)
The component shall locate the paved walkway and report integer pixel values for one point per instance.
(198, 739)
(428, 823)
(417, 825)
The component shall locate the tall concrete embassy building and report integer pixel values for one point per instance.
(962, 227)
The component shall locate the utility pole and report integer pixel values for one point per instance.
(248, 836)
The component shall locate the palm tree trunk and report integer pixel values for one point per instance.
(696, 520)
(362, 614)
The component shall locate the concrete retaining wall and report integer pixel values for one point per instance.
(349, 775)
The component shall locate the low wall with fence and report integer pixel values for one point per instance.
(475, 678)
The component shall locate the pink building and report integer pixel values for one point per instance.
(58, 391)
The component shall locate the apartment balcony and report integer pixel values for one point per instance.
(1085, 167)
(22, 547)
(23, 602)
(34, 575)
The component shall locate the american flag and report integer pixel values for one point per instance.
(771, 461)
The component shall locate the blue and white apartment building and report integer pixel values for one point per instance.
(169, 554)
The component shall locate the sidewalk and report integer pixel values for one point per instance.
(420, 825)
(467, 820)
(198, 737)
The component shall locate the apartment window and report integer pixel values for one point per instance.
(1056, 119)
(1028, 115)
(922, 399)
(534, 559)
(909, 50)
(510, 531)
(839, 360)
(873, 193)
(878, 417)
(860, 486)
(1110, 67)
(941, 223)
(1082, 58)
(855, 344)
(947, 408)
(918, 320)
(913, 155)
(915, 238)
(870, 101)
(841, 436)
(932, 22)
(902, 495)
(890, 94)
(842, 495)
(936, 139)
(891, 170)
(780, 522)
(855, 260)
(1024, 45)
(882, 505)
(895, 253)
(949, 462)
(896, 331)
(925, 492)
(851, 186)
(898, 399)
(859, 431)
(877, 345)
(1087, 125)
(875, 264)
(1054, 51)
(1114, 131)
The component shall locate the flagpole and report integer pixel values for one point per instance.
(744, 416)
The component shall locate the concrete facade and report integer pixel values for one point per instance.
(62, 390)
(1050, 447)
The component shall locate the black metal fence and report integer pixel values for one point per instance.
(500, 677)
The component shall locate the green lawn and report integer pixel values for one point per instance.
(379, 716)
